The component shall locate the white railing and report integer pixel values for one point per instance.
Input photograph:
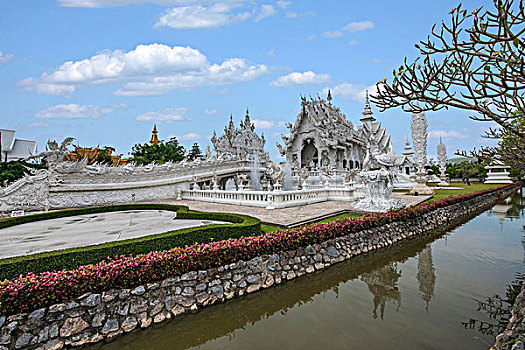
(270, 199)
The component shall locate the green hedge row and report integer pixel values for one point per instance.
(241, 226)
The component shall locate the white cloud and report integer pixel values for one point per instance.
(111, 3)
(297, 79)
(284, 4)
(267, 124)
(311, 37)
(352, 42)
(333, 34)
(152, 69)
(451, 134)
(350, 92)
(36, 125)
(168, 115)
(75, 111)
(4, 57)
(353, 27)
(378, 60)
(271, 53)
(194, 14)
(210, 111)
(196, 17)
(191, 136)
(297, 15)
(222, 92)
(265, 11)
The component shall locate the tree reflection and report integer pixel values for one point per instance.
(497, 308)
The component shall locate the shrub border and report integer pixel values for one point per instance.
(71, 258)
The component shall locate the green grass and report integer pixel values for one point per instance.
(269, 228)
(441, 194)
(342, 216)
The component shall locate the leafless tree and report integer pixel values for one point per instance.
(475, 63)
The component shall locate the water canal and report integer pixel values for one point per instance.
(421, 294)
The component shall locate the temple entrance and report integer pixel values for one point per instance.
(309, 154)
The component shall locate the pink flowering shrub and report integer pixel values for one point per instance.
(34, 291)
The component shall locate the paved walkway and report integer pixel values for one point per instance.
(88, 229)
(287, 217)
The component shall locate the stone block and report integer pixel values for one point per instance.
(129, 324)
(138, 291)
(73, 326)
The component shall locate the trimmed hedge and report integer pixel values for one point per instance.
(72, 258)
(34, 291)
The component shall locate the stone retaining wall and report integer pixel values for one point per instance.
(100, 316)
(513, 338)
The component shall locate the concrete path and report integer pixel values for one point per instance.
(82, 230)
(287, 217)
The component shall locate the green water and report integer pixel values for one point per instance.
(421, 294)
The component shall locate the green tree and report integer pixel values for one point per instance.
(194, 152)
(14, 170)
(170, 151)
(466, 170)
(104, 155)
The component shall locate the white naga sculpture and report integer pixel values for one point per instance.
(419, 140)
(377, 174)
(54, 154)
(442, 161)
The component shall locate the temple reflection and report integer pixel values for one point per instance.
(382, 283)
(426, 275)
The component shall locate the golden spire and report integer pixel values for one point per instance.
(154, 138)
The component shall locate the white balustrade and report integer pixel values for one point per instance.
(272, 199)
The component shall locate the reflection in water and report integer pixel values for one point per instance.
(498, 309)
(426, 275)
(382, 283)
(331, 308)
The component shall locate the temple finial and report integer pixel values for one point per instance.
(154, 138)
(367, 113)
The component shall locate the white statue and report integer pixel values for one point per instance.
(377, 174)
(442, 161)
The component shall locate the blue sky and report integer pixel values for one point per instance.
(104, 71)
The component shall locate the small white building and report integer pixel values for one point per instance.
(13, 148)
(497, 173)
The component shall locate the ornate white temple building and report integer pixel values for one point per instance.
(241, 143)
(323, 137)
(327, 158)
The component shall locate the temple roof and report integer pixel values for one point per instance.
(327, 120)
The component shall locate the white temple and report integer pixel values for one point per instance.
(241, 143)
(327, 158)
(322, 137)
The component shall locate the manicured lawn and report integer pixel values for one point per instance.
(346, 215)
(269, 228)
(441, 194)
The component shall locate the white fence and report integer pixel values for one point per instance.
(270, 199)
